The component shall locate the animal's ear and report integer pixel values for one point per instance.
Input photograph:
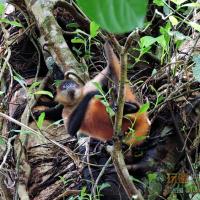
(79, 79)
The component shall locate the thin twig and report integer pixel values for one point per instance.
(9, 146)
(69, 152)
(99, 176)
(130, 39)
(5, 63)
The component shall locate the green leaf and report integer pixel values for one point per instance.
(192, 5)
(160, 98)
(34, 85)
(77, 40)
(98, 96)
(165, 32)
(116, 16)
(173, 20)
(178, 35)
(99, 87)
(72, 25)
(178, 2)
(147, 41)
(194, 25)
(2, 8)
(93, 29)
(166, 10)
(1, 93)
(43, 92)
(196, 196)
(14, 23)
(57, 82)
(144, 108)
(83, 191)
(161, 40)
(62, 179)
(41, 120)
(20, 80)
(103, 186)
(159, 2)
(2, 141)
(196, 67)
(144, 50)
(154, 72)
(152, 177)
(105, 103)
(110, 111)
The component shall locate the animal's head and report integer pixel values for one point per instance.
(69, 92)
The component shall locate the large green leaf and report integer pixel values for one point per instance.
(116, 16)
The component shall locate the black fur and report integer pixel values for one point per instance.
(76, 118)
(49, 104)
(130, 107)
(78, 114)
(53, 113)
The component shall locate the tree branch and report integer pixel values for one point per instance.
(117, 156)
(51, 34)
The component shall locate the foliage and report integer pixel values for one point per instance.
(104, 100)
(33, 90)
(84, 195)
(120, 16)
(154, 185)
(41, 120)
(144, 108)
(85, 39)
(4, 20)
(116, 16)
(2, 141)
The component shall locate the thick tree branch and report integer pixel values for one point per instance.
(51, 33)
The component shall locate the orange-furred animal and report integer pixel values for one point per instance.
(85, 113)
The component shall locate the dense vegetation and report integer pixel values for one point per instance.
(158, 44)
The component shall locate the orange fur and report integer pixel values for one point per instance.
(140, 122)
(96, 122)
(141, 125)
